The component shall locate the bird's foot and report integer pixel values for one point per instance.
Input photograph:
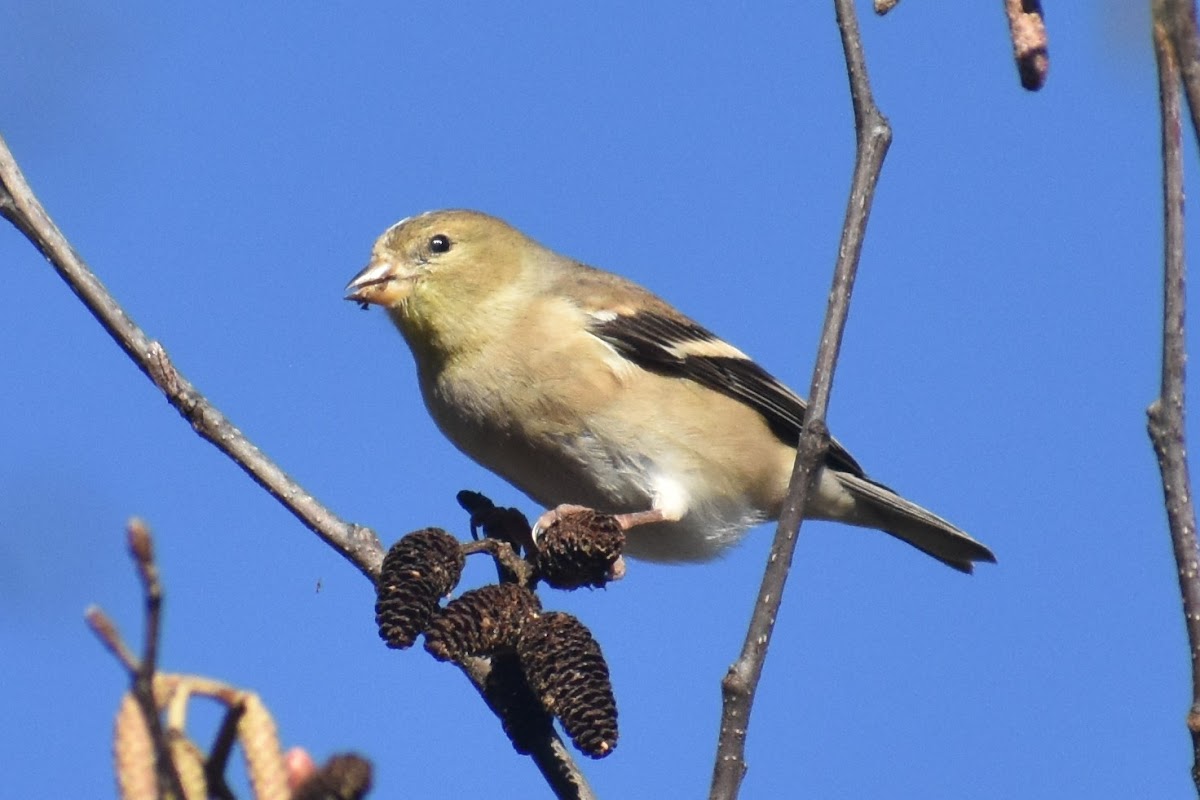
(552, 516)
(576, 546)
(624, 521)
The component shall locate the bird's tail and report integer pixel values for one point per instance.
(879, 507)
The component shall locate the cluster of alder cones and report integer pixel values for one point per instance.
(544, 664)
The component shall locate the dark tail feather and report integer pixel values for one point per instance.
(882, 508)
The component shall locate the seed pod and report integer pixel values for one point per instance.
(417, 572)
(343, 777)
(481, 622)
(565, 668)
(581, 548)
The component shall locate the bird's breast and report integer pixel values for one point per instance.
(536, 440)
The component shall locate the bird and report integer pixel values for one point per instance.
(583, 389)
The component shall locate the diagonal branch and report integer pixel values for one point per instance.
(1173, 27)
(357, 544)
(20, 206)
(738, 688)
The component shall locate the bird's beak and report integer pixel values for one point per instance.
(382, 282)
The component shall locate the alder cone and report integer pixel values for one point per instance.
(481, 622)
(346, 776)
(580, 548)
(564, 667)
(525, 721)
(418, 570)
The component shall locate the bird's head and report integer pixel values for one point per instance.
(450, 281)
(464, 252)
(434, 272)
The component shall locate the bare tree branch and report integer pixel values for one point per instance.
(218, 755)
(141, 547)
(873, 136)
(18, 205)
(143, 672)
(884, 6)
(1027, 27)
(1166, 413)
(1178, 20)
(356, 543)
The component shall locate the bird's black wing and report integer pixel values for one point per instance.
(678, 347)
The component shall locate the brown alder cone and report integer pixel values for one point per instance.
(417, 572)
(346, 776)
(567, 671)
(481, 622)
(525, 721)
(581, 548)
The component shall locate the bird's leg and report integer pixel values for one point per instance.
(635, 518)
(630, 519)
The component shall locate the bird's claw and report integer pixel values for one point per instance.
(552, 516)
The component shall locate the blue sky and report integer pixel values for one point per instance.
(225, 171)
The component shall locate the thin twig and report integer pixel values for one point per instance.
(509, 566)
(873, 136)
(1027, 28)
(141, 548)
(218, 756)
(142, 672)
(551, 755)
(1166, 413)
(1178, 17)
(356, 543)
(106, 631)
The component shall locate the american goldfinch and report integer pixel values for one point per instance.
(579, 387)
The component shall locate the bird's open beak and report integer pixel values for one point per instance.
(382, 282)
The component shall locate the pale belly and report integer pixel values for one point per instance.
(585, 469)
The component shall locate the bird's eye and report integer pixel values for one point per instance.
(440, 243)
